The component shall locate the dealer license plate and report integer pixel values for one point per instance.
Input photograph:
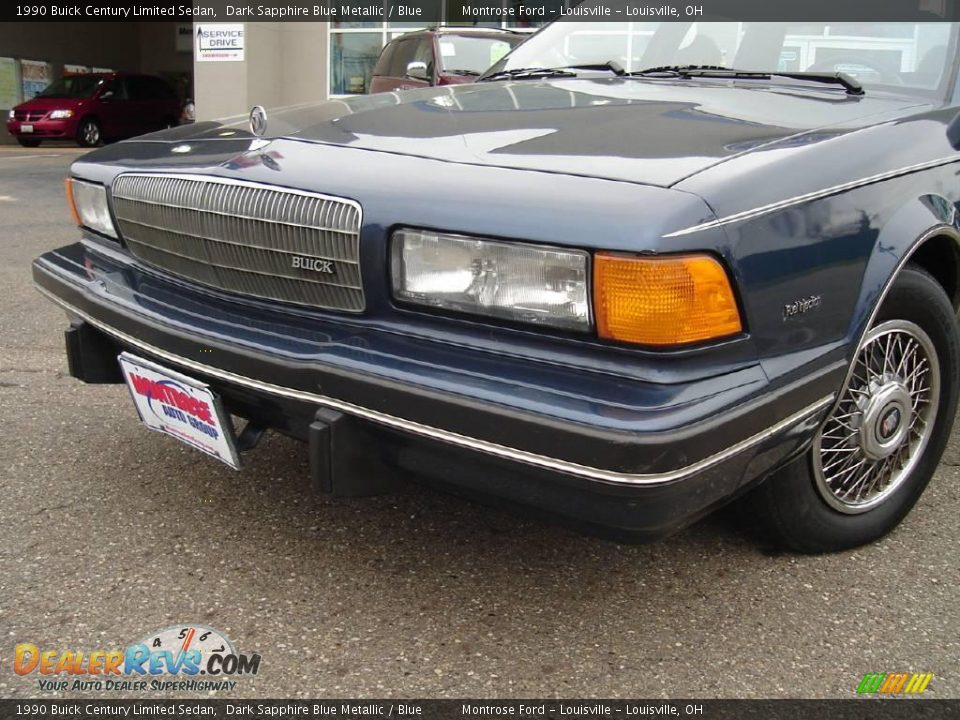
(177, 405)
(26, 128)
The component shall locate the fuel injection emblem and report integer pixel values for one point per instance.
(801, 306)
(315, 264)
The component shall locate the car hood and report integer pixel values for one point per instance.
(650, 132)
(51, 103)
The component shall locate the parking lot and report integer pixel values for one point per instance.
(109, 533)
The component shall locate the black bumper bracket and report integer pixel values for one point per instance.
(250, 436)
(345, 458)
(91, 355)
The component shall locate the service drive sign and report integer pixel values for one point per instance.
(219, 42)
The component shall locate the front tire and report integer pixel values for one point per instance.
(28, 142)
(874, 455)
(88, 133)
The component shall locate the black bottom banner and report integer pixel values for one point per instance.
(866, 709)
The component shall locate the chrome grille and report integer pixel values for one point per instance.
(242, 237)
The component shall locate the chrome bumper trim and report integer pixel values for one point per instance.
(612, 477)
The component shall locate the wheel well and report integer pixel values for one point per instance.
(940, 257)
(84, 118)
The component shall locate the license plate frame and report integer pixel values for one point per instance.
(181, 407)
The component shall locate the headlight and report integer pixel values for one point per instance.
(61, 114)
(11, 114)
(88, 203)
(513, 281)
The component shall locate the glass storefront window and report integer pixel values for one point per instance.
(355, 45)
(352, 57)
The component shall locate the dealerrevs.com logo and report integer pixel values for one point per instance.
(891, 684)
(191, 658)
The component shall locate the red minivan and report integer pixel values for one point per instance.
(92, 107)
(440, 56)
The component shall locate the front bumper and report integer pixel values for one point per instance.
(49, 129)
(631, 456)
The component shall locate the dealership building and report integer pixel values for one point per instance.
(281, 63)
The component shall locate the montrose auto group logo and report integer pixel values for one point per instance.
(180, 658)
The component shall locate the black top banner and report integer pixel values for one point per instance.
(351, 13)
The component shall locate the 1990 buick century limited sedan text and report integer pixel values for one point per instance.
(633, 273)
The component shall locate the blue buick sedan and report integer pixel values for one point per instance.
(635, 272)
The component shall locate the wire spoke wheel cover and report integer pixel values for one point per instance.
(880, 427)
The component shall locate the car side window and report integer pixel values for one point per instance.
(402, 56)
(383, 64)
(137, 89)
(118, 89)
(159, 89)
(424, 53)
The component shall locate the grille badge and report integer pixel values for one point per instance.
(316, 264)
(258, 120)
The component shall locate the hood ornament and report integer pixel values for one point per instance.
(258, 120)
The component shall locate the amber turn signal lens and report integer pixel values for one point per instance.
(71, 203)
(671, 300)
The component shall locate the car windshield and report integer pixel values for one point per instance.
(913, 56)
(471, 55)
(73, 86)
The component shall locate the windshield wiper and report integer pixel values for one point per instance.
(678, 70)
(565, 71)
(527, 74)
(853, 87)
(688, 71)
(611, 65)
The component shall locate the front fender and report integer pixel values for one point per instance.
(916, 222)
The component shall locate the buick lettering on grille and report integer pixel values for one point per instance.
(316, 264)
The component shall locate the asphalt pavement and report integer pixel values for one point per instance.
(109, 532)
